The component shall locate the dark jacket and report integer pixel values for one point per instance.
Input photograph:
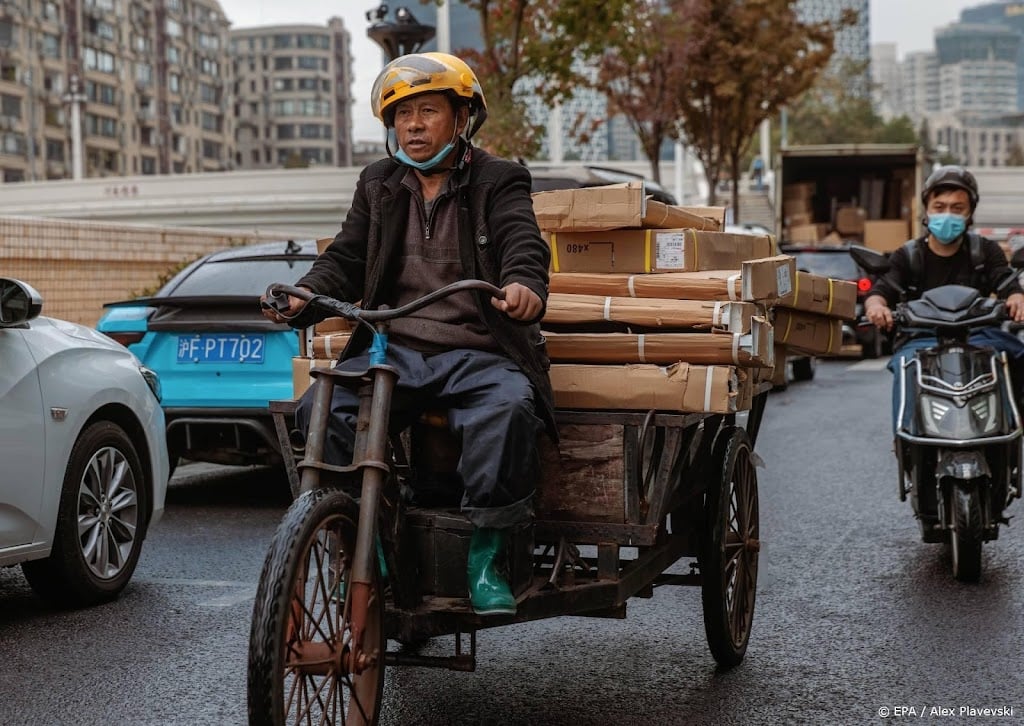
(499, 242)
(936, 271)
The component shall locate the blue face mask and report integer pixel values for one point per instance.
(430, 163)
(946, 228)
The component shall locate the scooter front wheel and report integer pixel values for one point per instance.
(967, 532)
(301, 668)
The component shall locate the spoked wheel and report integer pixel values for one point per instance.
(966, 536)
(301, 669)
(730, 547)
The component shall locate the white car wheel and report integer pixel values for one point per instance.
(101, 522)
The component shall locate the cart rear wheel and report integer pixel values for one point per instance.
(730, 547)
(300, 669)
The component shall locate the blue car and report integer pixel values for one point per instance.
(219, 360)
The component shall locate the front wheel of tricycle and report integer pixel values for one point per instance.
(300, 645)
(729, 547)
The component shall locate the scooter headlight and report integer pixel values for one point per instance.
(943, 418)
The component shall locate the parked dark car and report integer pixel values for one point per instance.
(834, 261)
(576, 176)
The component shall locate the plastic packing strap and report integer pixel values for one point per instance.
(696, 257)
(736, 348)
(789, 326)
(716, 316)
(709, 377)
(647, 251)
(608, 309)
(629, 286)
(327, 346)
(640, 347)
(831, 331)
(831, 298)
(554, 252)
(733, 285)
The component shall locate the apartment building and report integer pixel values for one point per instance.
(293, 97)
(151, 80)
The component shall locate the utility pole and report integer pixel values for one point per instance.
(444, 28)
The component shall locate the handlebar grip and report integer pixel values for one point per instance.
(276, 301)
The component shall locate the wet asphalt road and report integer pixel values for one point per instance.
(854, 614)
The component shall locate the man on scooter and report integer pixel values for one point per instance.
(948, 254)
(439, 210)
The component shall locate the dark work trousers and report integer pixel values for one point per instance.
(490, 409)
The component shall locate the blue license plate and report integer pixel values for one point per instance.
(221, 348)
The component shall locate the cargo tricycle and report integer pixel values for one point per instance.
(375, 552)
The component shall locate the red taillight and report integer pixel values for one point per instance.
(863, 284)
(126, 339)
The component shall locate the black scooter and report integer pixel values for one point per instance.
(959, 451)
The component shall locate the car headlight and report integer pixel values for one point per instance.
(152, 380)
(943, 418)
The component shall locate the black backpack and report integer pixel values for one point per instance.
(916, 256)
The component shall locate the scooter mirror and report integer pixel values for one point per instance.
(871, 260)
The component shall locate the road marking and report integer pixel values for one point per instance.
(869, 365)
(240, 591)
(226, 601)
(192, 583)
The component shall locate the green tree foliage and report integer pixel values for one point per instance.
(744, 60)
(830, 113)
(530, 45)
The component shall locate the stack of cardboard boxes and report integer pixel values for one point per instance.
(878, 218)
(810, 319)
(651, 307)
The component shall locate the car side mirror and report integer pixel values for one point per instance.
(871, 260)
(19, 303)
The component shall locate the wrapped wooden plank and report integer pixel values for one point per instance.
(651, 312)
(823, 295)
(584, 478)
(614, 206)
(752, 350)
(758, 280)
(681, 387)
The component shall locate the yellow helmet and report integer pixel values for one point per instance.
(416, 73)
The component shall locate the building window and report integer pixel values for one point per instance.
(283, 63)
(101, 93)
(211, 149)
(100, 125)
(209, 66)
(284, 84)
(144, 73)
(14, 175)
(51, 11)
(54, 150)
(54, 116)
(8, 36)
(173, 55)
(284, 41)
(209, 41)
(309, 62)
(286, 131)
(173, 28)
(98, 60)
(11, 143)
(174, 83)
(10, 106)
(212, 122)
(209, 94)
(49, 46)
(314, 41)
(308, 84)
(148, 165)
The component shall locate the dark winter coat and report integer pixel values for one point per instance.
(499, 242)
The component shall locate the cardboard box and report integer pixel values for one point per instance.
(654, 250)
(886, 235)
(613, 206)
(301, 380)
(332, 325)
(850, 220)
(329, 347)
(752, 350)
(763, 280)
(819, 294)
(716, 214)
(734, 317)
(797, 220)
(808, 332)
(799, 190)
(680, 387)
(796, 207)
(804, 234)
(323, 244)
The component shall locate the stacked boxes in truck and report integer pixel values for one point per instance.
(864, 194)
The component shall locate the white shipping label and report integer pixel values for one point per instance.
(669, 251)
(783, 281)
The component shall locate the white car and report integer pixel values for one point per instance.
(83, 455)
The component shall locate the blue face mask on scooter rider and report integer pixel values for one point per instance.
(430, 163)
(946, 228)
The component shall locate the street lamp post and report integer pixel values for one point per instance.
(75, 98)
(404, 35)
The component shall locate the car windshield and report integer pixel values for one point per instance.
(240, 277)
(837, 265)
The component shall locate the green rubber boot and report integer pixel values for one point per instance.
(489, 593)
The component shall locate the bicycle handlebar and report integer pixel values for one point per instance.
(277, 300)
